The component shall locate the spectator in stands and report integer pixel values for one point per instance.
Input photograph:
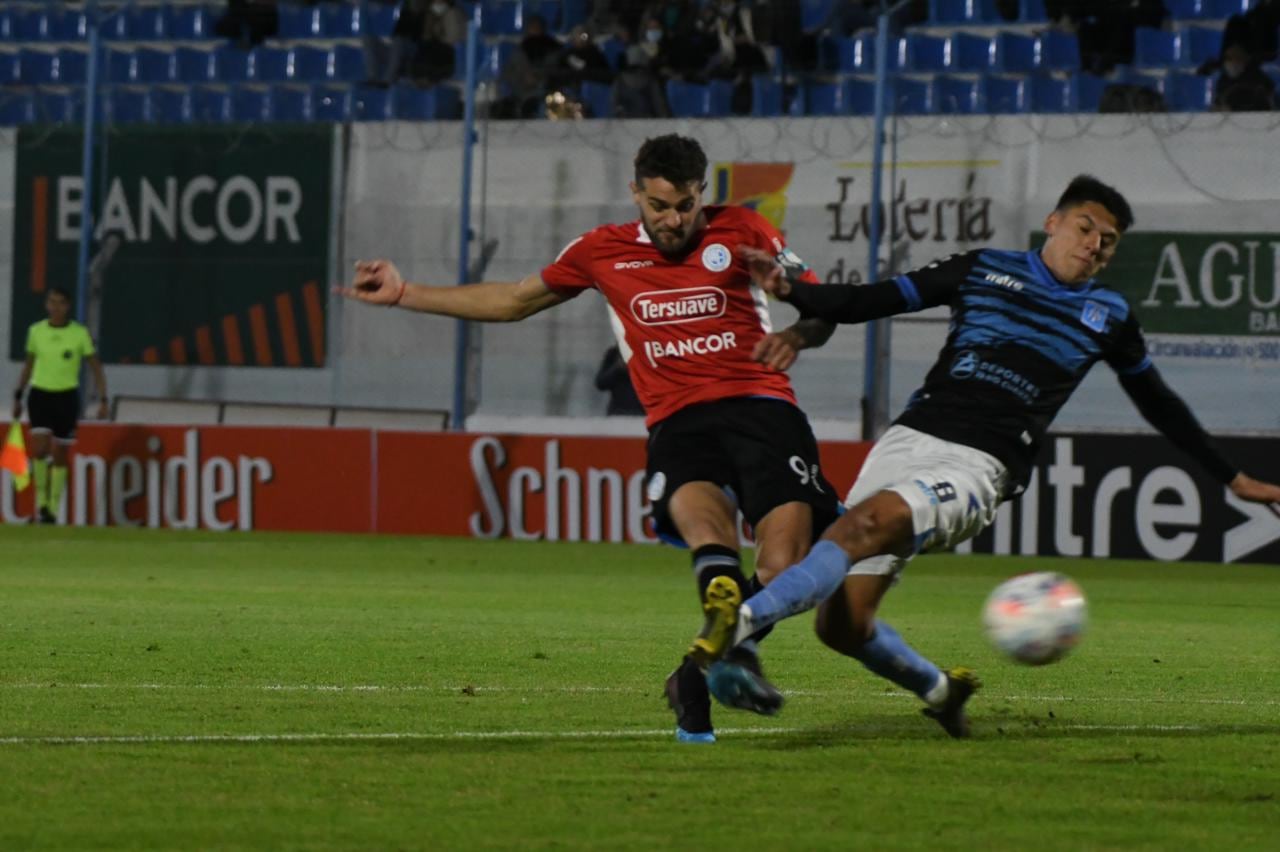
(579, 61)
(1255, 31)
(637, 90)
(1105, 28)
(738, 55)
(525, 72)
(421, 45)
(248, 22)
(614, 378)
(1243, 86)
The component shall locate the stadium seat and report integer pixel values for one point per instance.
(1200, 44)
(1032, 12)
(269, 64)
(572, 13)
(688, 100)
(957, 95)
(410, 103)
(598, 98)
(721, 97)
(147, 23)
(927, 53)
(814, 14)
(502, 17)
(913, 96)
(116, 27)
(33, 25)
(1084, 92)
(851, 96)
(10, 68)
(210, 104)
(252, 104)
(7, 31)
(292, 104)
(954, 11)
(613, 49)
(153, 65)
(331, 104)
(1182, 10)
(766, 96)
(67, 25)
(380, 19)
(1014, 52)
(59, 106)
(70, 66)
(851, 55)
(371, 104)
(1001, 95)
(486, 62)
(36, 66)
(308, 63)
(230, 64)
(190, 22)
(193, 65)
(1050, 94)
(348, 63)
(171, 105)
(17, 108)
(1153, 48)
(126, 105)
(971, 52)
(117, 65)
(299, 22)
(1227, 8)
(1059, 51)
(1184, 92)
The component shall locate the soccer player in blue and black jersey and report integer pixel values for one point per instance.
(1026, 326)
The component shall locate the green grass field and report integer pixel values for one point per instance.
(193, 691)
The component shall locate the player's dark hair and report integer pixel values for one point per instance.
(61, 291)
(1086, 188)
(674, 158)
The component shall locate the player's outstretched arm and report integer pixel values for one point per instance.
(1256, 491)
(379, 282)
(780, 349)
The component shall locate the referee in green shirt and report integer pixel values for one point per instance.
(55, 347)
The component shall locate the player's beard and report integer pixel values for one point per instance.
(665, 247)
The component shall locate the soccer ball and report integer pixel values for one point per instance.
(1035, 618)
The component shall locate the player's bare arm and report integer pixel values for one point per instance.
(766, 273)
(1256, 491)
(379, 282)
(780, 349)
(23, 378)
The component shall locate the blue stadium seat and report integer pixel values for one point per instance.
(721, 94)
(17, 108)
(348, 63)
(59, 106)
(67, 25)
(927, 53)
(613, 49)
(410, 103)
(957, 95)
(10, 68)
(1181, 10)
(971, 52)
(1227, 8)
(331, 104)
(70, 66)
(171, 105)
(148, 23)
(1153, 48)
(380, 19)
(269, 64)
(913, 96)
(118, 65)
(299, 22)
(126, 105)
(252, 104)
(1084, 92)
(1059, 51)
(1032, 12)
(308, 63)
(598, 98)
(230, 64)
(850, 96)
(1001, 95)
(814, 14)
(572, 13)
(343, 20)
(193, 65)
(371, 104)
(8, 30)
(36, 66)
(1200, 44)
(502, 17)
(851, 55)
(1049, 94)
(292, 104)
(116, 27)
(153, 65)
(190, 22)
(766, 96)
(486, 62)
(955, 11)
(1185, 92)
(688, 100)
(34, 25)
(210, 104)
(1014, 53)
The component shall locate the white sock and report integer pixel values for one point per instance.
(744, 628)
(937, 696)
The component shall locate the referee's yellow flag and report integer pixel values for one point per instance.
(13, 457)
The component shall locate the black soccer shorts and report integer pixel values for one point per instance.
(55, 411)
(761, 449)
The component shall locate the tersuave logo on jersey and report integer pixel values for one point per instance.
(663, 307)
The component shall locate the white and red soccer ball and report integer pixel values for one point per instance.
(1036, 618)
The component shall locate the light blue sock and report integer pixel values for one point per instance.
(801, 587)
(888, 655)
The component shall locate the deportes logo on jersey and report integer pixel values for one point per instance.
(716, 257)
(664, 307)
(1094, 316)
(965, 365)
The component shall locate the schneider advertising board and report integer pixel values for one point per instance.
(215, 242)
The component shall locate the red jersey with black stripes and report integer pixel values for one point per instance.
(686, 325)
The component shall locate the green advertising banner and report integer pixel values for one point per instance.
(212, 244)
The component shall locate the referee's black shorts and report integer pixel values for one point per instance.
(761, 449)
(54, 411)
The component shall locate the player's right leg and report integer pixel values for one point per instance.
(38, 409)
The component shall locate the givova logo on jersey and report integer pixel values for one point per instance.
(664, 307)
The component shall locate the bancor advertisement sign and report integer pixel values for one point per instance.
(212, 243)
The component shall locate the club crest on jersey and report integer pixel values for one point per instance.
(1094, 316)
(716, 257)
(965, 365)
(663, 307)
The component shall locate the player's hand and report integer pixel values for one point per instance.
(765, 271)
(377, 282)
(1256, 491)
(778, 350)
(102, 409)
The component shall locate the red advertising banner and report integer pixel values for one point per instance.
(355, 480)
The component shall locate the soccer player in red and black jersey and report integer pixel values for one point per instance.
(724, 429)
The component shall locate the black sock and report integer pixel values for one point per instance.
(716, 560)
(753, 586)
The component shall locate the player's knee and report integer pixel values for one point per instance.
(773, 561)
(844, 636)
